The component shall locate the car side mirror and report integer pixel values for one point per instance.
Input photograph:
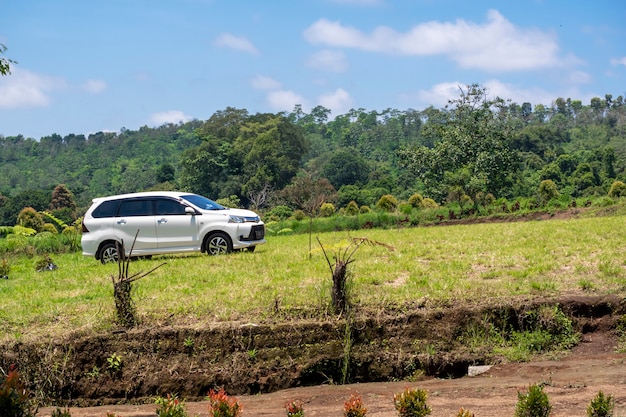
(190, 210)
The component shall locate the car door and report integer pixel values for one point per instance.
(137, 214)
(176, 229)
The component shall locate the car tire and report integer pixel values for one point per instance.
(251, 248)
(109, 253)
(218, 244)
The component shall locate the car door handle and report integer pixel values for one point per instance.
(161, 221)
(121, 221)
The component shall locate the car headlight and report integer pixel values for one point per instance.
(236, 219)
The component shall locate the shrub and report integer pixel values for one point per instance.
(412, 403)
(416, 200)
(231, 202)
(547, 191)
(464, 413)
(30, 218)
(61, 413)
(170, 406)
(49, 227)
(429, 203)
(14, 401)
(221, 405)
(534, 403)
(354, 407)
(352, 209)
(618, 189)
(4, 269)
(299, 215)
(601, 406)
(294, 409)
(327, 209)
(387, 203)
(364, 209)
(282, 212)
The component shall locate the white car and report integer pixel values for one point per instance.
(167, 222)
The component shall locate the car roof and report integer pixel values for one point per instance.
(175, 194)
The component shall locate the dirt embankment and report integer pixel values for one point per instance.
(408, 344)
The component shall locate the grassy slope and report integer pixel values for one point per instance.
(440, 264)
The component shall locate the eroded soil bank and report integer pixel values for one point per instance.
(408, 343)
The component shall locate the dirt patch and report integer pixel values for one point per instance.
(266, 365)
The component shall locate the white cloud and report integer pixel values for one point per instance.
(339, 101)
(619, 61)
(285, 100)
(25, 89)
(496, 45)
(170, 116)
(327, 60)
(94, 86)
(261, 82)
(239, 43)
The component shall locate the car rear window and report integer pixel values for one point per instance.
(137, 207)
(106, 209)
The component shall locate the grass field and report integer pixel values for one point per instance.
(283, 279)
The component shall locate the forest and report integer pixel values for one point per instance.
(476, 147)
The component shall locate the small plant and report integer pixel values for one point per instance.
(221, 405)
(4, 269)
(601, 406)
(412, 403)
(354, 407)
(294, 409)
(170, 406)
(464, 413)
(534, 403)
(14, 401)
(61, 413)
(94, 373)
(45, 264)
(115, 362)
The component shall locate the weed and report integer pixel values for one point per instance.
(61, 413)
(188, 343)
(115, 363)
(170, 406)
(354, 407)
(4, 269)
(533, 403)
(412, 403)
(94, 373)
(14, 401)
(601, 406)
(295, 409)
(221, 405)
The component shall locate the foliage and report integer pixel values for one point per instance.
(601, 406)
(61, 413)
(352, 209)
(547, 191)
(618, 189)
(30, 218)
(354, 407)
(464, 413)
(14, 401)
(232, 201)
(222, 405)
(327, 209)
(295, 409)
(416, 200)
(281, 212)
(533, 403)
(412, 403)
(170, 406)
(309, 194)
(5, 268)
(387, 203)
(5, 63)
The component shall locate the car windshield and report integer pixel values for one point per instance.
(202, 202)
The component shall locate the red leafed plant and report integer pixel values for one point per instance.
(294, 409)
(221, 405)
(354, 407)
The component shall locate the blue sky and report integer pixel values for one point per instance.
(88, 66)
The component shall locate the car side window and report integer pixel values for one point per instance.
(130, 208)
(169, 207)
(106, 209)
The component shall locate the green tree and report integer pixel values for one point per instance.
(346, 167)
(5, 63)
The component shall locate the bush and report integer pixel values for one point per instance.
(14, 401)
(352, 209)
(221, 405)
(464, 413)
(299, 215)
(327, 209)
(282, 212)
(354, 407)
(618, 189)
(294, 409)
(387, 203)
(547, 191)
(416, 200)
(601, 406)
(30, 218)
(412, 403)
(429, 203)
(61, 413)
(364, 209)
(170, 406)
(534, 403)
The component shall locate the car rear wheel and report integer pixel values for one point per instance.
(218, 244)
(109, 253)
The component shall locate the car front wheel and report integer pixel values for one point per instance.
(218, 244)
(109, 253)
